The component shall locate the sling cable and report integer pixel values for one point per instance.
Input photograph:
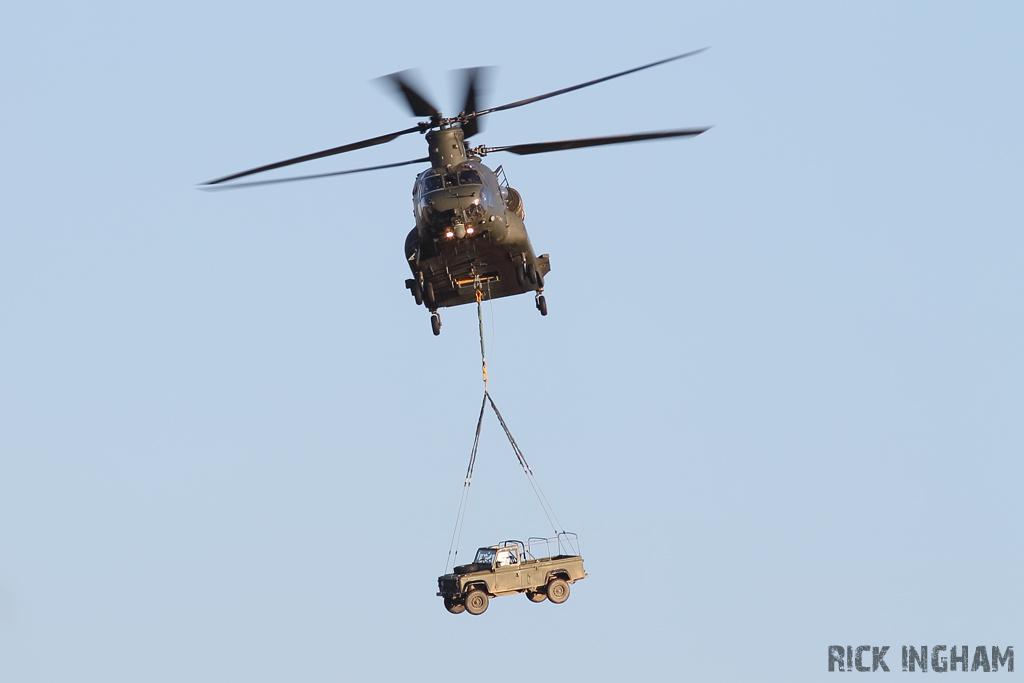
(556, 525)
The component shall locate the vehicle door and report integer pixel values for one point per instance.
(506, 570)
(531, 573)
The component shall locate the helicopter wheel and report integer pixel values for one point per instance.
(435, 323)
(540, 280)
(542, 305)
(417, 292)
(520, 275)
(428, 294)
(531, 273)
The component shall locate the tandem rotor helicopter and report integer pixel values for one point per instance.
(470, 240)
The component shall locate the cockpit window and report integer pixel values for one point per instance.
(469, 177)
(431, 183)
(484, 556)
(449, 180)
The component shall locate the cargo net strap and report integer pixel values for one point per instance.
(464, 502)
(549, 512)
(453, 547)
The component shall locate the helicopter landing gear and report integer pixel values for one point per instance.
(428, 295)
(531, 273)
(520, 275)
(542, 304)
(413, 285)
(435, 323)
(540, 280)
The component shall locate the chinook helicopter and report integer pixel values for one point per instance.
(470, 241)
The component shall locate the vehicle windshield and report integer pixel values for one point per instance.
(484, 556)
(469, 177)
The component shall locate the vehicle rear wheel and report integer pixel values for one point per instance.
(540, 279)
(476, 601)
(417, 292)
(520, 275)
(542, 305)
(558, 591)
(454, 606)
(531, 273)
(428, 294)
(435, 324)
(534, 596)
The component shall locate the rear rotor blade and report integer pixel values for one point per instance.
(475, 81)
(418, 104)
(379, 140)
(210, 188)
(541, 147)
(538, 98)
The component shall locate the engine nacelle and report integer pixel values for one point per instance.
(514, 203)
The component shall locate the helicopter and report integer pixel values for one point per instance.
(470, 241)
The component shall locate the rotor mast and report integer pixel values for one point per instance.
(447, 147)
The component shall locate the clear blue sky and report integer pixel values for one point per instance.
(778, 395)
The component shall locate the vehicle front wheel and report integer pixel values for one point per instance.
(534, 596)
(435, 324)
(558, 591)
(476, 601)
(454, 606)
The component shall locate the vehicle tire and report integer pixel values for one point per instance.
(476, 601)
(558, 591)
(540, 280)
(542, 305)
(534, 596)
(531, 273)
(428, 294)
(435, 324)
(454, 606)
(417, 293)
(520, 275)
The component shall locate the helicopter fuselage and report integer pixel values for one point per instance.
(470, 235)
(470, 241)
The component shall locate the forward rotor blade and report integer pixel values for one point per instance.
(215, 188)
(418, 104)
(541, 147)
(538, 98)
(379, 140)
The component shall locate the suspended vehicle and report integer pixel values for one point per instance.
(542, 568)
(470, 238)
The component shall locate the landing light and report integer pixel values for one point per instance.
(449, 234)
(470, 230)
